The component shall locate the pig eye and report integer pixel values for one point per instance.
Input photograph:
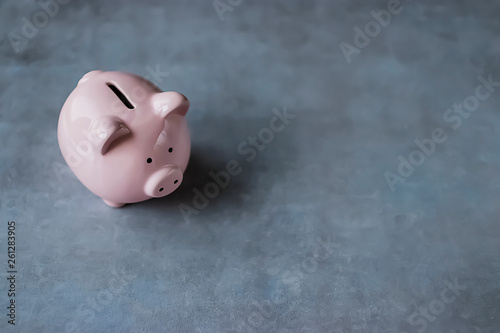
(149, 160)
(170, 149)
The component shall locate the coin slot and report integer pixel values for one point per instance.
(120, 95)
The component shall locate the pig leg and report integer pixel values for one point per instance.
(113, 204)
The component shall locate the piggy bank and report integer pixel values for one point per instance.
(124, 139)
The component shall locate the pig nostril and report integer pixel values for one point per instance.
(175, 181)
(161, 189)
(170, 149)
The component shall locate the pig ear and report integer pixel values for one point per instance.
(170, 102)
(105, 131)
(89, 75)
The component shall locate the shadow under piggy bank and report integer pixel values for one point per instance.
(206, 184)
(223, 152)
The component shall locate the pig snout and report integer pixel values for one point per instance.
(163, 182)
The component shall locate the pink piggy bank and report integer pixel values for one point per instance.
(124, 139)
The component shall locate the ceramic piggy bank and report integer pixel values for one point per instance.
(124, 139)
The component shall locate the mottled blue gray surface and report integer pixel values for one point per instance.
(310, 236)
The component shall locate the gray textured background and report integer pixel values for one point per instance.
(249, 261)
